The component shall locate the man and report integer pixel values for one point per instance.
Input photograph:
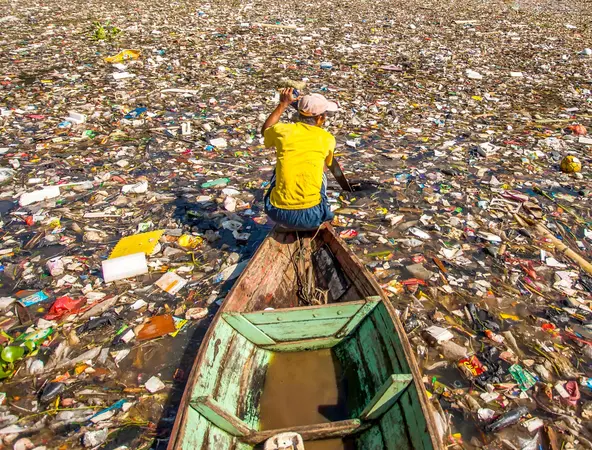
(297, 195)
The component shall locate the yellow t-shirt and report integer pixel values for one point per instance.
(302, 151)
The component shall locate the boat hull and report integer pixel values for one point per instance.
(385, 400)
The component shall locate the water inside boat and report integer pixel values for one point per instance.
(302, 388)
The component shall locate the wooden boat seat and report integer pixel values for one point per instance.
(301, 328)
(384, 398)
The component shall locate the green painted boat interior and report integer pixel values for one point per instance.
(304, 368)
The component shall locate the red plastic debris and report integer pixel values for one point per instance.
(64, 305)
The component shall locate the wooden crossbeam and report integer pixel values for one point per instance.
(386, 396)
(314, 432)
(215, 413)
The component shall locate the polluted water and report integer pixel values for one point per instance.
(132, 175)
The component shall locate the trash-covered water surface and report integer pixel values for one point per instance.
(133, 171)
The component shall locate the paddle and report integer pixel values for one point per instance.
(335, 169)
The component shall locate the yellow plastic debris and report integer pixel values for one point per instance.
(137, 243)
(511, 317)
(179, 324)
(124, 55)
(190, 242)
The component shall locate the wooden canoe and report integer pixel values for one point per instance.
(384, 405)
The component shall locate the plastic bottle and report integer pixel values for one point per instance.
(51, 391)
(6, 174)
(508, 419)
(494, 337)
(138, 188)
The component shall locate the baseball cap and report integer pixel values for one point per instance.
(315, 105)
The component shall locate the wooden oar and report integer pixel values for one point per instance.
(560, 246)
(335, 169)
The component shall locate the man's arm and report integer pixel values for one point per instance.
(286, 99)
(329, 158)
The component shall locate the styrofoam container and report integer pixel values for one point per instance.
(124, 267)
(46, 193)
(76, 118)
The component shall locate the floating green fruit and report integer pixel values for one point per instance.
(12, 353)
(5, 371)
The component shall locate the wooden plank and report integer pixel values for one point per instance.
(274, 284)
(252, 383)
(223, 419)
(259, 282)
(378, 355)
(427, 427)
(351, 265)
(227, 391)
(392, 424)
(380, 368)
(371, 439)
(359, 387)
(388, 334)
(374, 354)
(314, 432)
(294, 331)
(393, 428)
(412, 413)
(218, 439)
(247, 329)
(210, 369)
(386, 396)
(416, 422)
(370, 304)
(305, 313)
(196, 431)
(304, 345)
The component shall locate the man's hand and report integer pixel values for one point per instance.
(287, 97)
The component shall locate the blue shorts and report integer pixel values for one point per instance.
(300, 219)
